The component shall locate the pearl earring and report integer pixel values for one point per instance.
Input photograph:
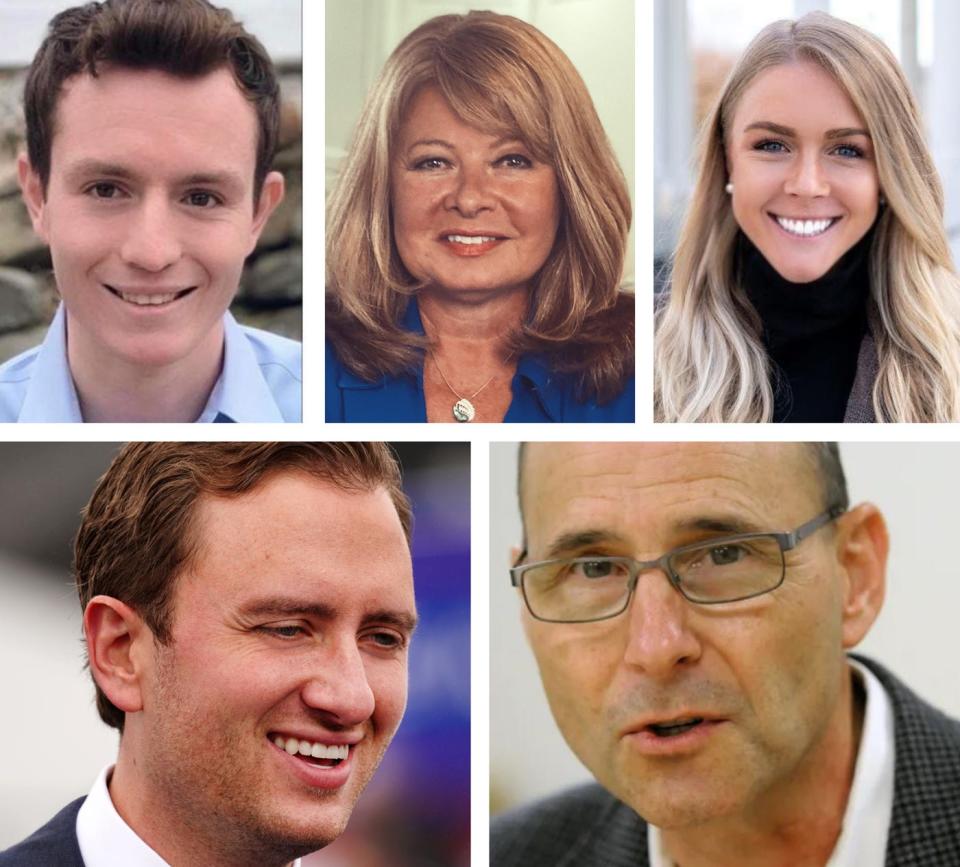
(729, 188)
(883, 200)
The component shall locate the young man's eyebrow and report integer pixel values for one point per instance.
(402, 620)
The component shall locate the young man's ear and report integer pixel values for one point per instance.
(119, 647)
(862, 547)
(31, 188)
(270, 196)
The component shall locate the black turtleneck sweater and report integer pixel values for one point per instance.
(812, 331)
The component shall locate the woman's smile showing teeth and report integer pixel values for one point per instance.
(804, 228)
(462, 244)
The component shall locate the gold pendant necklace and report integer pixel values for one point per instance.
(463, 410)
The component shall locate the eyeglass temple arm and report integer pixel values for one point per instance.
(791, 540)
(514, 579)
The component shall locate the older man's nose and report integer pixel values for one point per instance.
(659, 634)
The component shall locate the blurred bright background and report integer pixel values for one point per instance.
(417, 809)
(914, 484)
(698, 42)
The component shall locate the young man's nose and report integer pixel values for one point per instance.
(338, 687)
(152, 241)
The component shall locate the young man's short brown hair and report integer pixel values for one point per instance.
(188, 38)
(137, 534)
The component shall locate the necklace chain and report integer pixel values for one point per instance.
(463, 410)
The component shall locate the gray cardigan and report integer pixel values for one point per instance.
(588, 827)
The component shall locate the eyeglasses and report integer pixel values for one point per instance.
(728, 569)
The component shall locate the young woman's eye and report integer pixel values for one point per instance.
(202, 199)
(848, 150)
(770, 146)
(516, 161)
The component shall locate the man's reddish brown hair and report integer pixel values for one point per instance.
(137, 534)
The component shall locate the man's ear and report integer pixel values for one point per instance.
(270, 196)
(862, 547)
(32, 189)
(119, 645)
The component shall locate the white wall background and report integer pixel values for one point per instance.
(914, 484)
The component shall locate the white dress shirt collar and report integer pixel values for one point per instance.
(105, 839)
(866, 823)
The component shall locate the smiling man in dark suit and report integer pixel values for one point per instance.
(691, 608)
(248, 609)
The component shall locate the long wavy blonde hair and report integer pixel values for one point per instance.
(710, 362)
(504, 76)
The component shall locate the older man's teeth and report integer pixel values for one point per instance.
(314, 749)
(805, 228)
(148, 300)
(470, 239)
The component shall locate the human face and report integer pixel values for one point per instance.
(765, 674)
(805, 184)
(149, 210)
(472, 213)
(299, 633)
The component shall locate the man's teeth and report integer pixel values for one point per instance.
(805, 228)
(315, 749)
(470, 239)
(148, 300)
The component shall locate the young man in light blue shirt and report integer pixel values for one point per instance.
(149, 144)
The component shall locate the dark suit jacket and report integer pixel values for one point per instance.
(588, 827)
(54, 845)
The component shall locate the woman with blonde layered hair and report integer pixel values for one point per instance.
(738, 338)
(476, 239)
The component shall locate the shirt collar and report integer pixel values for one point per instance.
(51, 395)
(240, 394)
(531, 371)
(105, 839)
(866, 822)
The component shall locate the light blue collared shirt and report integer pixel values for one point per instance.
(260, 380)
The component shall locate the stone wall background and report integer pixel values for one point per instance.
(271, 287)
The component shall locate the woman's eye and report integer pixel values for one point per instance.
(430, 163)
(202, 199)
(847, 150)
(516, 161)
(770, 147)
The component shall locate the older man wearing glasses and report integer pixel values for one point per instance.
(691, 608)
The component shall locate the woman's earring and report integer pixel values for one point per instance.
(729, 188)
(883, 200)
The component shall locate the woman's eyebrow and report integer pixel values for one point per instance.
(790, 132)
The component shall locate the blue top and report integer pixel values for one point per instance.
(260, 380)
(538, 394)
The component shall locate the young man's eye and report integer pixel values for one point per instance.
(387, 640)
(202, 199)
(290, 630)
(104, 190)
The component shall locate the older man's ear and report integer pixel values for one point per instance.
(119, 647)
(862, 547)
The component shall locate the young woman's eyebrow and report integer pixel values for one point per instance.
(790, 132)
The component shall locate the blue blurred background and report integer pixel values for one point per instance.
(417, 809)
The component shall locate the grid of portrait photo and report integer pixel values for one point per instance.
(562, 474)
